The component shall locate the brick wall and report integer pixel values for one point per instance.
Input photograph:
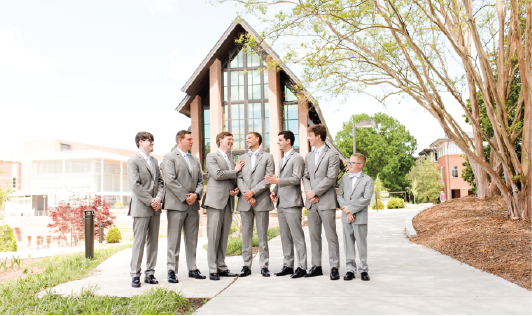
(274, 99)
(302, 104)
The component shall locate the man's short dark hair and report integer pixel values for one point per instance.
(220, 136)
(319, 130)
(257, 135)
(181, 134)
(288, 135)
(143, 136)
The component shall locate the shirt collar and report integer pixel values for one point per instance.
(256, 152)
(182, 152)
(144, 155)
(223, 154)
(318, 150)
(288, 152)
(356, 175)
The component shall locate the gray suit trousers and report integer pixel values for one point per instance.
(292, 233)
(358, 233)
(263, 221)
(218, 228)
(188, 222)
(315, 220)
(145, 232)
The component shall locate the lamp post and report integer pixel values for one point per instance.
(366, 123)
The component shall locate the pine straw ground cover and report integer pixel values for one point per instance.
(479, 233)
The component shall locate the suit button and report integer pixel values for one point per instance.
(252, 179)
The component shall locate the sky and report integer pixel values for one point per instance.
(98, 72)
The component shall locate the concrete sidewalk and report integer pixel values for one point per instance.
(406, 278)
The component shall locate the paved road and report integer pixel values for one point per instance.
(406, 278)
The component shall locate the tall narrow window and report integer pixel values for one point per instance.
(207, 130)
(291, 115)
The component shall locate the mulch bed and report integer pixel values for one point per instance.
(479, 233)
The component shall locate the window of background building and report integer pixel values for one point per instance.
(245, 106)
(454, 172)
(452, 148)
(65, 147)
(290, 114)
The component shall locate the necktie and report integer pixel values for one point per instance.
(150, 162)
(187, 155)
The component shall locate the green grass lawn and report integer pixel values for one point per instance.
(20, 296)
(234, 244)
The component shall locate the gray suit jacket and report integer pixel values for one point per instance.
(253, 179)
(179, 181)
(358, 199)
(288, 191)
(222, 179)
(144, 186)
(322, 178)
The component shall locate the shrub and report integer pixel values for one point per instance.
(113, 235)
(395, 203)
(381, 205)
(304, 212)
(118, 204)
(6, 232)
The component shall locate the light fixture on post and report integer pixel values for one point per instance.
(366, 123)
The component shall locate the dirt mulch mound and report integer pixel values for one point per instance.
(479, 233)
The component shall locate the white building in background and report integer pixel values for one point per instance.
(56, 170)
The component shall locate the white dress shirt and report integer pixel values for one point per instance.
(317, 153)
(226, 158)
(286, 154)
(184, 154)
(354, 177)
(148, 160)
(253, 155)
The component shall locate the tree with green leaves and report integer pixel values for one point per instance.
(424, 177)
(5, 194)
(389, 148)
(422, 51)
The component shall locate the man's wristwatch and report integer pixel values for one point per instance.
(197, 196)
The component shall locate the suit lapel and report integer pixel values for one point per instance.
(145, 164)
(281, 167)
(222, 160)
(183, 160)
(257, 160)
(320, 158)
(356, 183)
(311, 163)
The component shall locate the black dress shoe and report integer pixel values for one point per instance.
(196, 274)
(285, 271)
(334, 274)
(245, 272)
(214, 276)
(135, 282)
(171, 277)
(298, 273)
(150, 279)
(364, 276)
(349, 276)
(226, 273)
(265, 272)
(314, 271)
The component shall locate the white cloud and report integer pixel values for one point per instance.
(161, 6)
(181, 68)
(14, 55)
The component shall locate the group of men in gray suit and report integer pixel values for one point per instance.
(250, 179)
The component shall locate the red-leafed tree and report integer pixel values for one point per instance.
(69, 216)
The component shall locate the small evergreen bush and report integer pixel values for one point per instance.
(113, 235)
(381, 205)
(395, 203)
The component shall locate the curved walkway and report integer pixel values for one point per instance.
(406, 278)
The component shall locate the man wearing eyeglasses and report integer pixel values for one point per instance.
(354, 196)
(147, 192)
